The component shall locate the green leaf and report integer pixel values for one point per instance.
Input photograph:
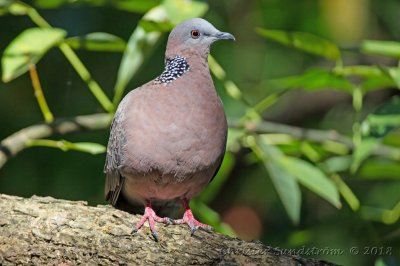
(50, 3)
(384, 119)
(284, 182)
(374, 77)
(138, 6)
(387, 121)
(312, 178)
(151, 25)
(178, 10)
(359, 70)
(139, 45)
(336, 164)
(287, 188)
(28, 48)
(309, 151)
(303, 41)
(380, 262)
(379, 169)
(12, 7)
(4, 6)
(282, 169)
(97, 41)
(386, 48)
(314, 79)
(394, 73)
(381, 215)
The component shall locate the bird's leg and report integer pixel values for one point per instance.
(152, 217)
(189, 219)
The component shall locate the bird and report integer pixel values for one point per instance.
(168, 137)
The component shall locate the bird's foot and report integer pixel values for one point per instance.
(193, 224)
(151, 216)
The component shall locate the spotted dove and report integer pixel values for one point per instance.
(168, 136)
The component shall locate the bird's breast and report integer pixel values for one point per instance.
(178, 130)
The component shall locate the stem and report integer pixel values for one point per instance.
(17, 142)
(48, 116)
(85, 76)
(38, 19)
(76, 64)
(357, 105)
(48, 143)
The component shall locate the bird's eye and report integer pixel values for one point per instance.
(195, 34)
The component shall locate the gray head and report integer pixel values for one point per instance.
(194, 36)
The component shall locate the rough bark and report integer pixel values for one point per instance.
(48, 231)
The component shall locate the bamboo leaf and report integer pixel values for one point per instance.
(303, 41)
(13, 7)
(97, 41)
(314, 79)
(152, 25)
(373, 77)
(179, 10)
(137, 6)
(28, 48)
(287, 188)
(362, 151)
(336, 164)
(312, 178)
(384, 119)
(284, 182)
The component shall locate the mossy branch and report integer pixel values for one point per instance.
(48, 231)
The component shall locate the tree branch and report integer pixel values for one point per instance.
(16, 142)
(48, 231)
(313, 135)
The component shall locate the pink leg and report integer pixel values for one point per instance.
(189, 219)
(152, 217)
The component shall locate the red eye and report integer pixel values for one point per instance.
(195, 34)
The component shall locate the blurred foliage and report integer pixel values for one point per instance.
(331, 155)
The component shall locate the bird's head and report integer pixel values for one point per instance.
(194, 36)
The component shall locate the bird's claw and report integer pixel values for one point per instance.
(155, 236)
(151, 217)
(193, 224)
(204, 227)
(168, 221)
(193, 230)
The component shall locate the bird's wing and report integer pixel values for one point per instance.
(220, 160)
(114, 179)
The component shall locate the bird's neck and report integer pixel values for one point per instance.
(177, 65)
(196, 57)
(174, 68)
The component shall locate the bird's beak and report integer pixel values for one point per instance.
(224, 36)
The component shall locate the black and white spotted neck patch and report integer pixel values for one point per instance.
(174, 68)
